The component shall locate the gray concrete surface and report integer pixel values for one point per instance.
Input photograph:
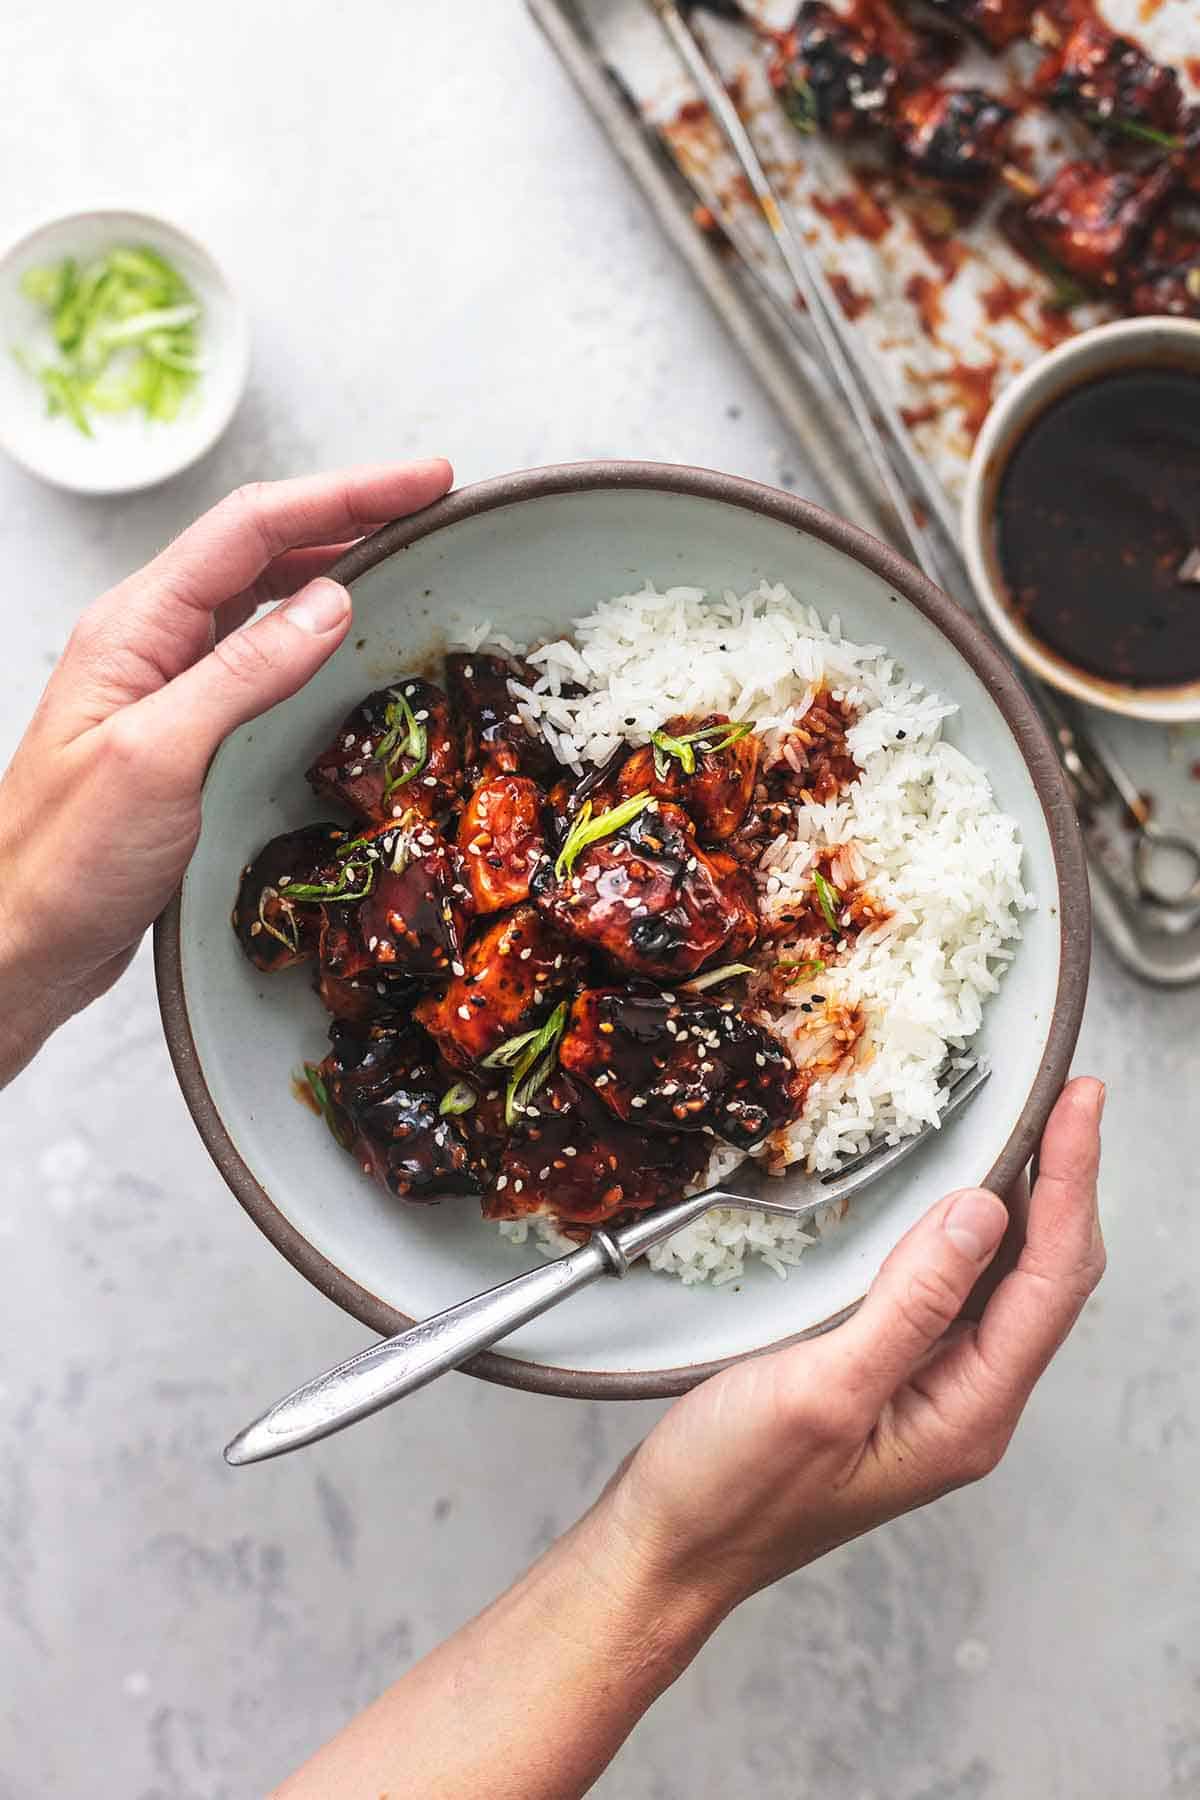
(440, 255)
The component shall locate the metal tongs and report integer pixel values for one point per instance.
(1165, 864)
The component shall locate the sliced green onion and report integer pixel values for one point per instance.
(799, 103)
(717, 737)
(1131, 128)
(289, 937)
(829, 900)
(125, 327)
(529, 1058)
(806, 969)
(320, 1093)
(405, 736)
(587, 830)
(713, 977)
(458, 1099)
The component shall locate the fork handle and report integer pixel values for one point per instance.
(402, 1364)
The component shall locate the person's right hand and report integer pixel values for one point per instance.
(783, 1457)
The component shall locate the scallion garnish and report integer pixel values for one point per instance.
(316, 1085)
(683, 749)
(457, 1099)
(124, 329)
(588, 830)
(829, 900)
(529, 1059)
(802, 969)
(405, 736)
(799, 103)
(713, 977)
(1132, 128)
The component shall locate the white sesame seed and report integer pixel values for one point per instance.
(544, 1174)
(255, 929)
(348, 742)
(458, 968)
(518, 1184)
(570, 1150)
(396, 811)
(421, 716)
(468, 670)
(637, 1100)
(501, 1182)
(429, 781)
(760, 1059)
(372, 943)
(526, 954)
(464, 1012)
(601, 1080)
(357, 769)
(409, 691)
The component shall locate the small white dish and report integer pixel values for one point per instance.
(128, 451)
(1106, 349)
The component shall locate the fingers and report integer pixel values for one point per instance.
(158, 622)
(917, 1294)
(245, 674)
(229, 547)
(1036, 1305)
(286, 575)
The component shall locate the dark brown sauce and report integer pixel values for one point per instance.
(1097, 508)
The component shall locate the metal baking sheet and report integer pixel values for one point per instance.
(946, 320)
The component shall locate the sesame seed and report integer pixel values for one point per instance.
(348, 742)
(638, 1100)
(421, 716)
(760, 1059)
(601, 1080)
(396, 811)
(501, 1182)
(468, 670)
(526, 954)
(518, 1184)
(544, 1174)
(429, 781)
(464, 1012)
(357, 769)
(373, 943)
(458, 968)
(409, 691)
(570, 1150)
(255, 929)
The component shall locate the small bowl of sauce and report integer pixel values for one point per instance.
(1081, 511)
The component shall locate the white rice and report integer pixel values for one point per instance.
(919, 830)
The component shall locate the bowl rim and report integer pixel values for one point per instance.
(154, 226)
(976, 648)
(1091, 355)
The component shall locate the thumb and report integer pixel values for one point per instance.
(919, 1292)
(249, 671)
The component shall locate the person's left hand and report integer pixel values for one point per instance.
(100, 808)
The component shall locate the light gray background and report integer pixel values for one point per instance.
(440, 255)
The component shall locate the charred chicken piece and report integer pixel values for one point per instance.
(1166, 277)
(384, 1097)
(954, 138)
(495, 741)
(274, 930)
(998, 22)
(1092, 221)
(714, 786)
(681, 1064)
(1106, 80)
(502, 840)
(414, 917)
(394, 753)
(571, 1159)
(831, 75)
(513, 972)
(648, 896)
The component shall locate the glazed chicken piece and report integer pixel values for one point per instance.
(350, 983)
(832, 75)
(415, 916)
(716, 793)
(384, 1094)
(1093, 221)
(997, 22)
(512, 973)
(273, 930)
(955, 138)
(1108, 81)
(681, 1064)
(502, 840)
(394, 753)
(650, 898)
(1166, 277)
(495, 741)
(571, 1159)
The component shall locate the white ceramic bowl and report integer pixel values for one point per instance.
(531, 553)
(127, 451)
(1128, 343)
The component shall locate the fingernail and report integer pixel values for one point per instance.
(319, 607)
(975, 1223)
(1101, 1099)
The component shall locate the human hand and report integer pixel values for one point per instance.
(783, 1457)
(100, 807)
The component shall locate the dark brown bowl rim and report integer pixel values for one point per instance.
(968, 639)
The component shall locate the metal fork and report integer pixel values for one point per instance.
(402, 1364)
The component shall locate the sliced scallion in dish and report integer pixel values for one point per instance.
(125, 331)
(529, 1059)
(699, 984)
(829, 900)
(588, 830)
(457, 1099)
(683, 749)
